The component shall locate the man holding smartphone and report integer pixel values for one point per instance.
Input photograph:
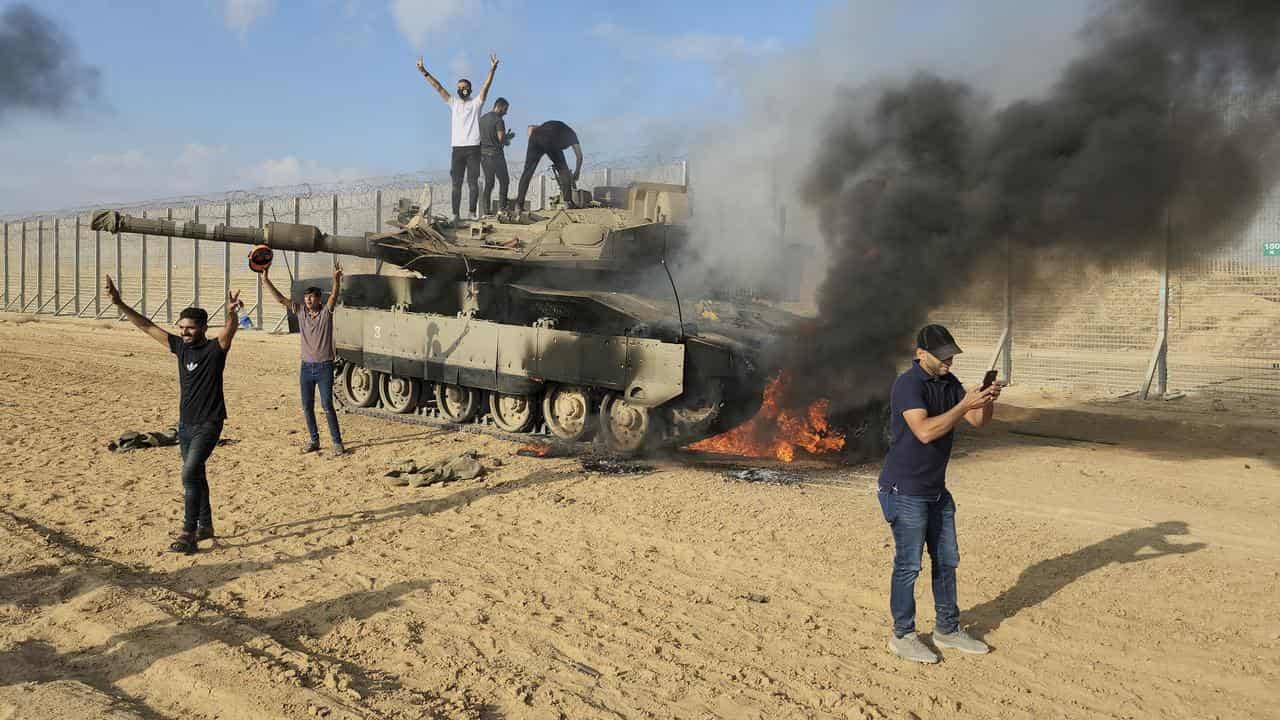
(926, 404)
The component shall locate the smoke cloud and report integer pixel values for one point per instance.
(917, 185)
(40, 68)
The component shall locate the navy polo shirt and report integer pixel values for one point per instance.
(911, 466)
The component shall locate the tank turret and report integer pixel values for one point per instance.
(623, 232)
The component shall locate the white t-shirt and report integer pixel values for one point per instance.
(466, 120)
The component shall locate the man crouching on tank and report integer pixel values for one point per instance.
(201, 407)
(315, 328)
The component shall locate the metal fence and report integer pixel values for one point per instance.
(53, 264)
(1176, 318)
(1173, 318)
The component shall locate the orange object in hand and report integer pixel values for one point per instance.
(260, 258)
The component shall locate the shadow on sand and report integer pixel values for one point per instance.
(1042, 580)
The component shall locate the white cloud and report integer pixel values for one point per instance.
(240, 15)
(291, 170)
(689, 47)
(129, 161)
(714, 48)
(415, 19)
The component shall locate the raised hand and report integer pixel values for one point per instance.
(337, 271)
(493, 60)
(234, 303)
(112, 291)
(421, 68)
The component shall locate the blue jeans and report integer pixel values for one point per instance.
(311, 376)
(196, 443)
(920, 522)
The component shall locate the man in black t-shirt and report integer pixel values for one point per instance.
(201, 409)
(493, 161)
(550, 139)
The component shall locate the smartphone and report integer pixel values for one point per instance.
(989, 378)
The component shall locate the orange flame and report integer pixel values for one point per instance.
(777, 432)
(534, 450)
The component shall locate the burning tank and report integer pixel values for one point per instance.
(560, 320)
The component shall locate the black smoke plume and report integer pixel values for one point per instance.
(40, 68)
(919, 186)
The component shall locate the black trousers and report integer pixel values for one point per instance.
(495, 167)
(532, 157)
(196, 442)
(466, 159)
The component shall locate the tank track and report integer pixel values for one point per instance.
(428, 415)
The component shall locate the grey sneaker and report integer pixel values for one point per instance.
(962, 641)
(339, 450)
(910, 647)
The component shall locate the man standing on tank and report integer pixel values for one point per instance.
(201, 407)
(550, 139)
(465, 133)
(493, 137)
(315, 328)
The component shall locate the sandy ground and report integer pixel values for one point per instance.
(1127, 580)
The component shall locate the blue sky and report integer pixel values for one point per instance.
(205, 96)
(210, 95)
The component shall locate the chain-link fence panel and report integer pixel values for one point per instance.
(1224, 312)
(1077, 325)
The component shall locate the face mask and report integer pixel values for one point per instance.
(464, 93)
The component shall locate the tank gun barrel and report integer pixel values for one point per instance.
(276, 235)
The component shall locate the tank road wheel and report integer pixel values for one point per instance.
(628, 428)
(399, 394)
(511, 413)
(567, 410)
(456, 403)
(360, 385)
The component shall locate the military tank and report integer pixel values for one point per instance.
(559, 321)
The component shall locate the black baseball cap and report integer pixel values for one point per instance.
(937, 341)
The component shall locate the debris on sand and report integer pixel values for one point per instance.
(402, 473)
(612, 466)
(135, 440)
(768, 476)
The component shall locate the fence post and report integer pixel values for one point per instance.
(97, 273)
(168, 271)
(142, 274)
(119, 268)
(39, 266)
(195, 259)
(377, 227)
(684, 173)
(57, 266)
(226, 261)
(297, 220)
(608, 177)
(542, 192)
(1008, 310)
(258, 296)
(1158, 369)
(6, 266)
(76, 284)
(22, 271)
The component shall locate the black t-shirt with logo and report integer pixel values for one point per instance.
(553, 135)
(200, 377)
